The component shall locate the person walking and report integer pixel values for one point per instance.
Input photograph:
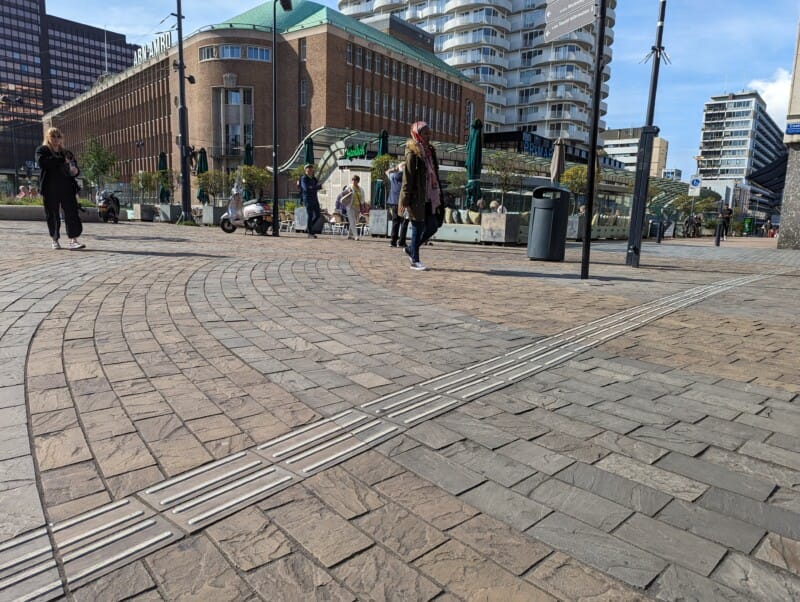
(399, 220)
(308, 194)
(420, 192)
(57, 186)
(725, 220)
(352, 201)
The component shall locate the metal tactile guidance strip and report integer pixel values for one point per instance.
(28, 569)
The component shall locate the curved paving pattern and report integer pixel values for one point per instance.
(592, 449)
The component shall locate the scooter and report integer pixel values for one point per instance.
(108, 205)
(254, 217)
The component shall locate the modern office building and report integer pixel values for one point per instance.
(672, 174)
(531, 85)
(623, 145)
(44, 62)
(738, 138)
(334, 72)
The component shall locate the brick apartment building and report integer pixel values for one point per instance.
(333, 71)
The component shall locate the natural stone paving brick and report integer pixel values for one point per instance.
(434, 435)
(371, 467)
(471, 576)
(447, 474)
(249, 539)
(755, 579)
(211, 428)
(123, 583)
(96, 401)
(581, 450)
(598, 549)
(406, 535)
(294, 578)
(262, 427)
(769, 453)
(652, 419)
(14, 442)
(427, 501)
(132, 481)
(711, 525)
(145, 405)
(70, 482)
(505, 505)
(563, 424)
(19, 498)
(522, 425)
(61, 449)
(326, 535)
(638, 450)
(668, 482)
(193, 569)
(676, 583)
(121, 454)
(781, 552)
(750, 466)
(229, 445)
(602, 420)
(583, 505)
(106, 423)
(536, 456)
(505, 546)
(616, 488)
(492, 465)
(771, 518)
(714, 474)
(13, 395)
(477, 430)
(674, 545)
(377, 575)
(343, 493)
(51, 422)
(567, 579)
(480, 410)
(396, 445)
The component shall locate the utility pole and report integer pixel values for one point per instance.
(645, 153)
(183, 124)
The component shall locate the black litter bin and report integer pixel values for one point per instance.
(547, 233)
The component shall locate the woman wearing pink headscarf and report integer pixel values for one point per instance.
(420, 193)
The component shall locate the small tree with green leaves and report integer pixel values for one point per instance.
(146, 182)
(214, 182)
(255, 179)
(97, 162)
(507, 170)
(457, 183)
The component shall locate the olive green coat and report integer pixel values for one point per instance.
(414, 187)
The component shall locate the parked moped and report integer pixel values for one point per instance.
(255, 216)
(108, 205)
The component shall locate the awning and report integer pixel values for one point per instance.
(771, 176)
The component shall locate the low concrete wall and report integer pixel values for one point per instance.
(35, 213)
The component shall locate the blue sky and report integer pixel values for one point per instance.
(715, 47)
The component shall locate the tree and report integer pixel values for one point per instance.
(214, 182)
(296, 173)
(97, 162)
(508, 170)
(146, 182)
(255, 179)
(457, 183)
(379, 166)
(707, 201)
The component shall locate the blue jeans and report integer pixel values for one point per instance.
(313, 215)
(421, 231)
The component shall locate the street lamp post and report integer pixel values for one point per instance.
(183, 123)
(12, 102)
(286, 5)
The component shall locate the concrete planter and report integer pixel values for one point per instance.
(144, 212)
(500, 228)
(169, 213)
(212, 215)
(378, 222)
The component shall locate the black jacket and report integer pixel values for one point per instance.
(55, 180)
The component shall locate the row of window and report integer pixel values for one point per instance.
(365, 59)
(390, 107)
(232, 51)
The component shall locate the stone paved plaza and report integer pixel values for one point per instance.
(190, 415)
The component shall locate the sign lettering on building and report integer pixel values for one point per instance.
(356, 151)
(158, 46)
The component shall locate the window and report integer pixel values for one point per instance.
(301, 48)
(358, 56)
(257, 53)
(348, 54)
(230, 52)
(247, 96)
(394, 109)
(425, 81)
(358, 98)
(378, 64)
(367, 100)
(376, 107)
(368, 60)
(402, 110)
(303, 98)
(394, 70)
(348, 92)
(208, 52)
(402, 74)
(387, 65)
(233, 97)
(385, 105)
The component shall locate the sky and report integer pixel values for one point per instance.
(714, 47)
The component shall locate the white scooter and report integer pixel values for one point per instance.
(254, 217)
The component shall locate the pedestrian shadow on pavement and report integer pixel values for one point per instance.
(163, 253)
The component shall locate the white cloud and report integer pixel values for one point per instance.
(775, 92)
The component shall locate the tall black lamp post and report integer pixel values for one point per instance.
(183, 121)
(13, 101)
(286, 5)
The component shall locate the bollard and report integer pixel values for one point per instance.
(718, 234)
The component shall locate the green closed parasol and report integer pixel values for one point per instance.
(379, 199)
(474, 162)
(202, 167)
(163, 183)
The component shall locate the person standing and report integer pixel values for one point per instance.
(420, 192)
(308, 190)
(399, 221)
(57, 185)
(352, 203)
(725, 220)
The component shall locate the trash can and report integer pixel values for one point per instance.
(547, 233)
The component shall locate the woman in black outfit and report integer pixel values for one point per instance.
(57, 185)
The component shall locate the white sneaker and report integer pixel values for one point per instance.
(418, 266)
(75, 245)
(56, 244)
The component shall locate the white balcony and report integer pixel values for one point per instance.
(493, 80)
(456, 6)
(378, 5)
(474, 40)
(470, 21)
(357, 9)
(469, 59)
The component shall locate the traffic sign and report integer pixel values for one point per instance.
(558, 9)
(694, 186)
(569, 22)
